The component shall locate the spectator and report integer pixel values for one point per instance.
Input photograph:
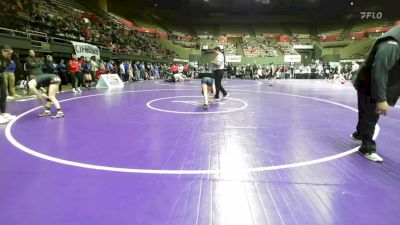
(74, 71)
(86, 69)
(34, 65)
(94, 69)
(62, 72)
(9, 79)
(5, 61)
(136, 70)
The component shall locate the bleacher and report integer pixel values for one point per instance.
(66, 4)
(66, 20)
(258, 47)
(286, 48)
(361, 27)
(230, 49)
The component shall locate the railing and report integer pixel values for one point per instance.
(37, 42)
(59, 40)
(104, 48)
(68, 41)
(14, 33)
(37, 36)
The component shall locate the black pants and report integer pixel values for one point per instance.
(3, 95)
(125, 76)
(367, 120)
(218, 74)
(64, 79)
(73, 79)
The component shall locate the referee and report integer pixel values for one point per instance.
(378, 86)
(218, 64)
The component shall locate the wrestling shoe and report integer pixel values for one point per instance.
(58, 115)
(45, 113)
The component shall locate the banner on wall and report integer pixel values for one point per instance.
(352, 60)
(233, 58)
(180, 60)
(86, 50)
(292, 58)
(303, 46)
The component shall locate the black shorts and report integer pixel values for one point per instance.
(207, 80)
(45, 80)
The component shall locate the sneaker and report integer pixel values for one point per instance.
(58, 115)
(3, 120)
(9, 116)
(372, 156)
(205, 106)
(74, 90)
(10, 98)
(356, 136)
(225, 96)
(79, 89)
(45, 113)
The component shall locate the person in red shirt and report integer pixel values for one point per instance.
(174, 69)
(186, 70)
(75, 71)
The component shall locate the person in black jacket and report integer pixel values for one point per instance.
(86, 69)
(62, 72)
(378, 86)
(34, 65)
(5, 61)
(50, 67)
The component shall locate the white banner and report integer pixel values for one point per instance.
(233, 58)
(86, 50)
(301, 36)
(292, 58)
(352, 60)
(180, 60)
(110, 81)
(303, 47)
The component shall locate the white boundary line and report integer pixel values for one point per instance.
(25, 149)
(148, 104)
(158, 82)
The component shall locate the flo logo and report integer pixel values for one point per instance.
(371, 15)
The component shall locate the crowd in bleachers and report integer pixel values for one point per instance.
(316, 70)
(183, 40)
(230, 48)
(258, 48)
(72, 24)
(186, 44)
(286, 48)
